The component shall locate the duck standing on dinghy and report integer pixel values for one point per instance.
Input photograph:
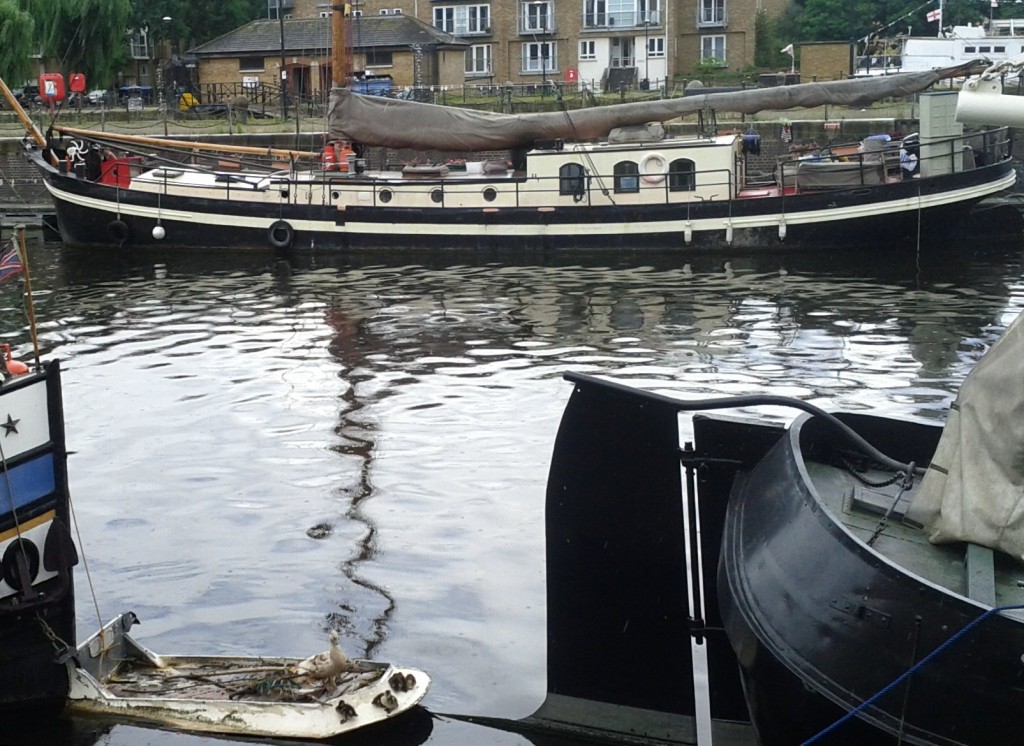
(325, 665)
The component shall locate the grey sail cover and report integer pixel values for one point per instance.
(395, 123)
(974, 488)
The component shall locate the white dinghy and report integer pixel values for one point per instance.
(322, 696)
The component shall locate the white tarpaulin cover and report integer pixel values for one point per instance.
(974, 489)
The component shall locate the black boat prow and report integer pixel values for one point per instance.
(37, 600)
(621, 630)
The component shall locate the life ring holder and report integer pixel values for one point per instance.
(280, 234)
(653, 168)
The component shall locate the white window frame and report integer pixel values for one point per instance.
(656, 46)
(479, 60)
(463, 19)
(712, 12)
(595, 13)
(538, 15)
(588, 50)
(710, 45)
(537, 63)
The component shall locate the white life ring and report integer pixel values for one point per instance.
(653, 168)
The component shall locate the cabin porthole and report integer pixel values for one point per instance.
(119, 231)
(490, 194)
(280, 234)
(437, 196)
(653, 168)
(384, 195)
(16, 550)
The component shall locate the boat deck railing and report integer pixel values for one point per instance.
(829, 168)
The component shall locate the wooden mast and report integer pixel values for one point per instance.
(341, 46)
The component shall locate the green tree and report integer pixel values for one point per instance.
(86, 36)
(193, 22)
(767, 44)
(16, 47)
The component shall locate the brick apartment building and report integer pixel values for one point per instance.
(603, 43)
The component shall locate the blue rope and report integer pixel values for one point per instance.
(910, 672)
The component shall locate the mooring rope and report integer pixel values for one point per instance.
(909, 672)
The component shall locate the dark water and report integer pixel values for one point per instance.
(266, 450)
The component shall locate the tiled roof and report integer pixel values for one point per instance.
(312, 36)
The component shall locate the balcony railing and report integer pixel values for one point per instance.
(621, 20)
(536, 24)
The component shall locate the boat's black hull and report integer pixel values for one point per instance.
(820, 622)
(93, 214)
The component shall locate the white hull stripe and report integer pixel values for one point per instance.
(33, 532)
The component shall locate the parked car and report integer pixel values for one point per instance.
(100, 96)
(28, 95)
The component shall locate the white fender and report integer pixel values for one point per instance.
(728, 231)
(782, 228)
(981, 101)
(688, 232)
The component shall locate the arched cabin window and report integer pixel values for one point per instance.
(627, 177)
(682, 175)
(572, 180)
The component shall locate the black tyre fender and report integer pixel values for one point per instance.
(280, 234)
(119, 231)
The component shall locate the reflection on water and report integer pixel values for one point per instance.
(266, 450)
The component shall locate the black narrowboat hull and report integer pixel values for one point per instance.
(95, 214)
(820, 622)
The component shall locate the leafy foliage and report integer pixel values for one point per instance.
(16, 29)
(850, 20)
(83, 35)
(193, 22)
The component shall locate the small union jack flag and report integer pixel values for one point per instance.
(10, 262)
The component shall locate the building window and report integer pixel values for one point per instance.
(588, 50)
(713, 48)
(627, 177)
(538, 16)
(571, 181)
(682, 175)
(478, 60)
(375, 58)
(250, 64)
(656, 46)
(539, 57)
(595, 13)
(463, 19)
(712, 13)
(621, 13)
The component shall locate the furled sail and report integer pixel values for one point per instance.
(395, 123)
(974, 488)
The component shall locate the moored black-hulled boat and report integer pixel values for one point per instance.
(863, 580)
(37, 600)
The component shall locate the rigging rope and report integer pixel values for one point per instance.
(910, 672)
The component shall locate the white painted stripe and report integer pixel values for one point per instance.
(37, 535)
(24, 419)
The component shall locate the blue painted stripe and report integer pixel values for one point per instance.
(29, 482)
